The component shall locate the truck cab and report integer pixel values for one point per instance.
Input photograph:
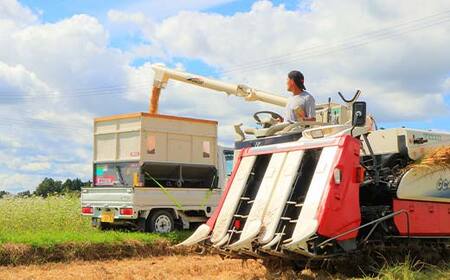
(155, 172)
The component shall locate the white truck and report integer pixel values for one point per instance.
(155, 172)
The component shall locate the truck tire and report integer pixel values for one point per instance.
(105, 226)
(160, 221)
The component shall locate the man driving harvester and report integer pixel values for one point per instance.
(301, 106)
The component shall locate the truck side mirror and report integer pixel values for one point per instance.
(359, 113)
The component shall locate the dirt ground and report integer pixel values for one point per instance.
(172, 267)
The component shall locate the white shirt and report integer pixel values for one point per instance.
(303, 101)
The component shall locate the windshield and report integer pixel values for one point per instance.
(229, 155)
(115, 174)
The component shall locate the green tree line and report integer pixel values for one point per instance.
(49, 186)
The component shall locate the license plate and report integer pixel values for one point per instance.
(107, 217)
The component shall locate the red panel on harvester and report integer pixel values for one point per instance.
(425, 218)
(340, 205)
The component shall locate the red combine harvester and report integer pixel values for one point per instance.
(328, 190)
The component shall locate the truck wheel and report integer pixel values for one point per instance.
(161, 221)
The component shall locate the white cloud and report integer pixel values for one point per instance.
(19, 182)
(17, 82)
(12, 11)
(155, 9)
(36, 166)
(70, 54)
(446, 84)
(123, 17)
(396, 66)
(131, 24)
(46, 71)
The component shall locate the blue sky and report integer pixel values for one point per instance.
(52, 11)
(66, 62)
(56, 10)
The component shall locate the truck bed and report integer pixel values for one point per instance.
(147, 198)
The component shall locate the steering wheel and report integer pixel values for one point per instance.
(273, 115)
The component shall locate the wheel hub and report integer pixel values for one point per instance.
(163, 224)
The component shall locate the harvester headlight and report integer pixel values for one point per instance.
(337, 174)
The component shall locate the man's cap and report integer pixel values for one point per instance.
(298, 79)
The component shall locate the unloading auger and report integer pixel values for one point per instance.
(163, 75)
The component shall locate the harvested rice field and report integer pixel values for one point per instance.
(172, 267)
(189, 267)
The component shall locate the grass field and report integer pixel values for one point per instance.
(56, 220)
(414, 271)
